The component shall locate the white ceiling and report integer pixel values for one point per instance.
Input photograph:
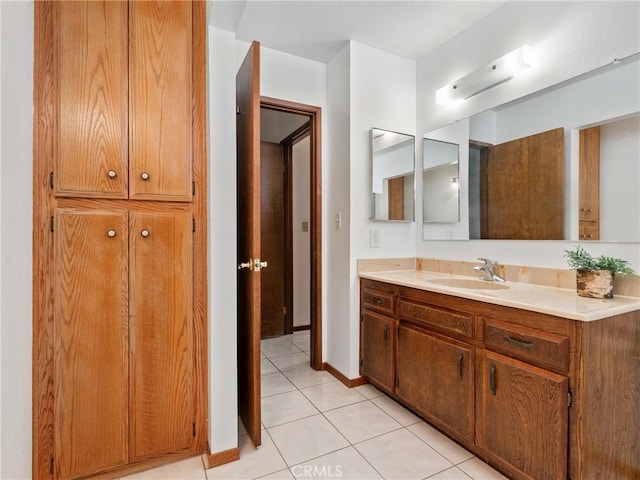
(318, 29)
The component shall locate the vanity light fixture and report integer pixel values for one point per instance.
(486, 77)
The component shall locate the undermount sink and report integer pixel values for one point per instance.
(468, 283)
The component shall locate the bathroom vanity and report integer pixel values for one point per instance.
(537, 381)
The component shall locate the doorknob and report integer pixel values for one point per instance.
(258, 265)
(245, 265)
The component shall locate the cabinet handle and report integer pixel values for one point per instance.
(111, 233)
(144, 233)
(518, 343)
(386, 335)
(375, 300)
(492, 379)
(112, 174)
(459, 365)
(144, 176)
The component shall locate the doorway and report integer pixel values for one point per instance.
(287, 127)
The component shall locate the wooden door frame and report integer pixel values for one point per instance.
(315, 127)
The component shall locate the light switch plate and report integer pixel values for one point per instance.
(338, 220)
(305, 226)
(374, 238)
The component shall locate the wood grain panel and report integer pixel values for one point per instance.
(160, 79)
(382, 302)
(91, 348)
(161, 317)
(396, 198)
(438, 318)
(525, 423)
(589, 187)
(377, 349)
(248, 214)
(524, 194)
(435, 376)
(90, 45)
(272, 235)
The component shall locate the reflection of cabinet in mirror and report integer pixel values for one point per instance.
(510, 178)
(589, 190)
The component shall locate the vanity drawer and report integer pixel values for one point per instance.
(443, 320)
(379, 301)
(547, 350)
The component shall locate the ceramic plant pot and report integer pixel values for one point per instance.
(595, 283)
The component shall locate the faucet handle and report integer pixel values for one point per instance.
(487, 261)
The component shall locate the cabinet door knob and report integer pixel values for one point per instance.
(112, 174)
(144, 176)
(111, 233)
(144, 233)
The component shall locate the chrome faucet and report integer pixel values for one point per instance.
(488, 270)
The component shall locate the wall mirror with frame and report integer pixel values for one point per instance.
(589, 192)
(392, 176)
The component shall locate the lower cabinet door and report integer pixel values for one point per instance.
(377, 343)
(434, 375)
(161, 335)
(523, 416)
(91, 348)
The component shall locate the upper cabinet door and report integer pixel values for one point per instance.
(160, 86)
(91, 61)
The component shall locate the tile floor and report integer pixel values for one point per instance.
(315, 427)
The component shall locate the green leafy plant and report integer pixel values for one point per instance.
(580, 259)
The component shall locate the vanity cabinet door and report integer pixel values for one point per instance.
(377, 349)
(434, 375)
(523, 416)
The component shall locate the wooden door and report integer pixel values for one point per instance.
(377, 349)
(248, 214)
(435, 376)
(524, 193)
(91, 342)
(161, 332)
(272, 235)
(160, 105)
(91, 61)
(523, 416)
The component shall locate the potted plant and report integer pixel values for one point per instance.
(594, 276)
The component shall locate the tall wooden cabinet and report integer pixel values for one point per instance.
(119, 236)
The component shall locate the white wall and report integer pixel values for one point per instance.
(382, 95)
(223, 400)
(570, 38)
(16, 164)
(619, 176)
(301, 212)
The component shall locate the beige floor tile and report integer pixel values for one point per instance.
(266, 367)
(478, 470)
(328, 396)
(286, 407)
(307, 438)
(397, 411)
(450, 474)
(274, 347)
(291, 361)
(274, 384)
(305, 376)
(440, 443)
(344, 464)
(361, 421)
(253, 463)
(400, 455)
(369, 391)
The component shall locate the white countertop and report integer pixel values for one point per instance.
(560, 302)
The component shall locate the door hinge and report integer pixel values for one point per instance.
(570, 398)
(284, 310)
(51, 466)
(51, 224)
(193, 224)
(193, 425)
(397, 383)
(51, 180)
(193, 189)
(237, 109)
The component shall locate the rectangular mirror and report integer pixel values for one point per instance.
(566, 191)
(440, 185)
(392, 176)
